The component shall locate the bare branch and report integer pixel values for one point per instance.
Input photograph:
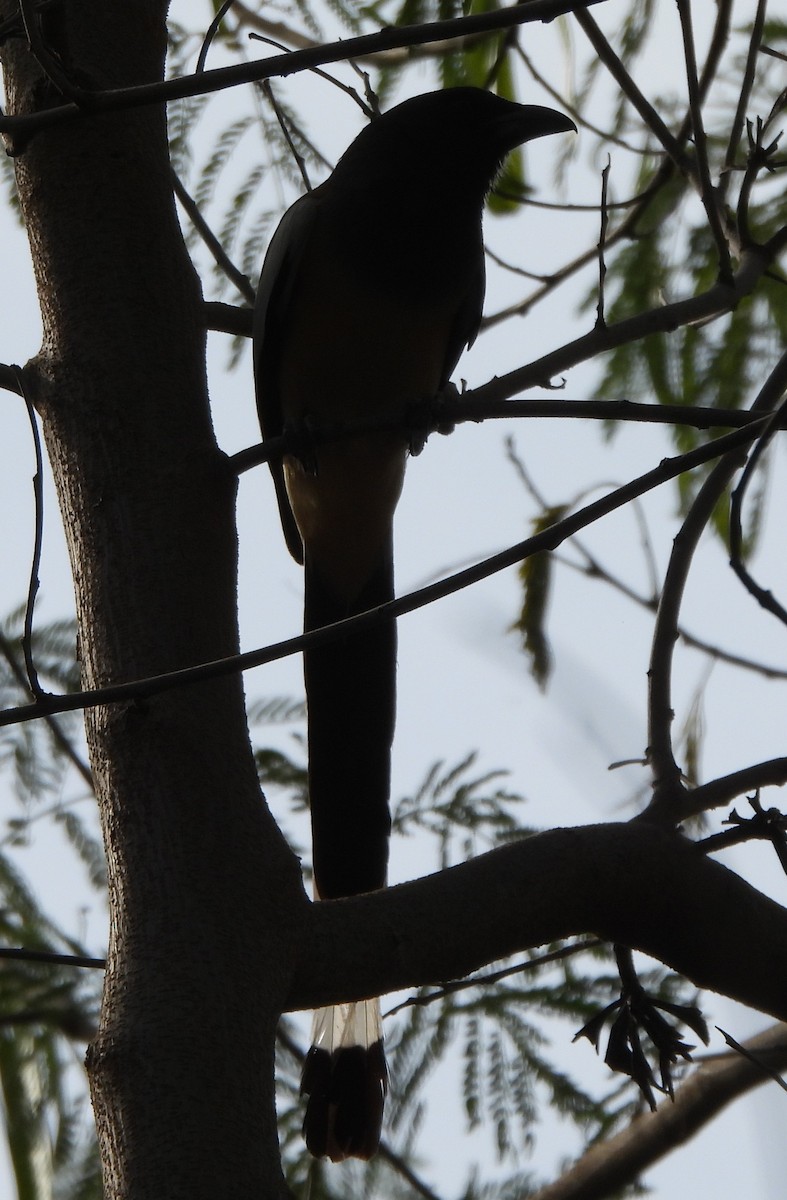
(21, 128)
(669, 795)
(719, 792)
(711, 202)
(636, 884)
(607, 1168)
(38, 537)
(9, 378)
(747, 83)
(60, 739)
(220, 256)
(713, 303)
(548, 539)
(629, 88)
(450, 410)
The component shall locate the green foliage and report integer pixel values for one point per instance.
(44, 1009)
(635, 22)
(251, 173)
(501, 1024)
(33, 751)
(464, 814)
(535, 576)
(669, 253)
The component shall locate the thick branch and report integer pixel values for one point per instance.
(715, 1083)
(718, 792)
(629, 883)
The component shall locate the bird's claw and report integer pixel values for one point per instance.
(426, 417)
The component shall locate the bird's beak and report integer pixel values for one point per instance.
(535, 121)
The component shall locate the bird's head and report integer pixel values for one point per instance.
(456, 138)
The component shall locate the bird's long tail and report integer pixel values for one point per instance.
(346, 1079)
(351, 698)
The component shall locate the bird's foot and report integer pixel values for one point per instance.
(434, 415)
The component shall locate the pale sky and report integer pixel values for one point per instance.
(462, 683)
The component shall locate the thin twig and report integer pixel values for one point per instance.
(288, 37)
(210, 34)
(760, 156)
(337, 83)
(747, 83)
(602, 243)
(578, 117)
(547, 539)
(647, 112)
(764, 597)
(285, 129)
(61, 740)
(669, 795)
(22, 127)
(707, 192)
(754, 1058)
(220, 256)
(664, 174)
(38, 537)
(463, 985)
(47, 956)
(594, 569)
(717, 301)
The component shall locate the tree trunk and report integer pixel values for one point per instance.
(204, 894)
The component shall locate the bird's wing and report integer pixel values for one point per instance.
(274, 294)
(467, 320)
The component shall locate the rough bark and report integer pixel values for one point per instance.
(211, 936)
(202, 890)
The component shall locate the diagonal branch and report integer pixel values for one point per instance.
(715, 302)
(220, 256)
(718, 792)
(710, 200)
(668, 793)
(547, 539)
(606, 1168)
(644, 108)
(22, 127)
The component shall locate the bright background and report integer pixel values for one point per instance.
(463, 684)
